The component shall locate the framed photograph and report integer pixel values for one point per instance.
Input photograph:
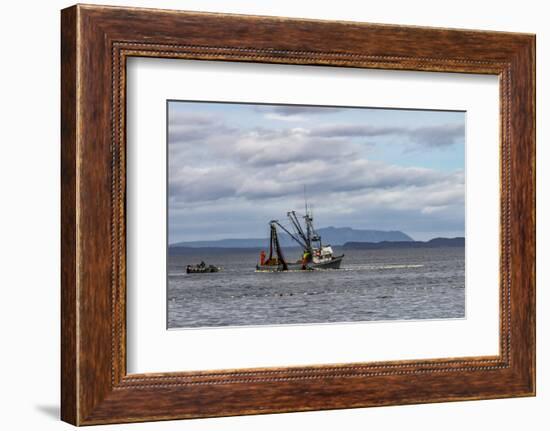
(263, 214)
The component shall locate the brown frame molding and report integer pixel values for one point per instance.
(95, 43)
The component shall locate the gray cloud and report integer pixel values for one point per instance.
(438, 136)
(437, 207)
(433, 136)
(248, 182)
(289, 110)
(266, 163)
(258, 146)
(234, 180)
(186, 127)
(353, 130)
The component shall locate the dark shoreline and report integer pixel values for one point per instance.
(433, 243)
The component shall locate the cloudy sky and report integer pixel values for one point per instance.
(233, 167)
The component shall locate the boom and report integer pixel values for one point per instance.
(305, 238)
(294, 237)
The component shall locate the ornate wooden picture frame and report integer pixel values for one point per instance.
(96, 41)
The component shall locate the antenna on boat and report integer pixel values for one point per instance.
(305, 198)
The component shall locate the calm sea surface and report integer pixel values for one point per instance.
(394, 284)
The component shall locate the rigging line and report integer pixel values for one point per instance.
(290, 233)
(294, 220)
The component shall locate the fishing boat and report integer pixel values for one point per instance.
(316, 255)
(201, 268)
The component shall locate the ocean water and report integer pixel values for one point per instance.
(398, 284)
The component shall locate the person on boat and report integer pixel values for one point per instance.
(305, 259)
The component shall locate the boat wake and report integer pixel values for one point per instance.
(352, 268)
(375, 267)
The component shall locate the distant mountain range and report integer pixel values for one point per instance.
(433, 243)
(330, 235)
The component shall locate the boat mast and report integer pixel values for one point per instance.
(299, 231)
(312, 235)
(274, 245)
(308, 227)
